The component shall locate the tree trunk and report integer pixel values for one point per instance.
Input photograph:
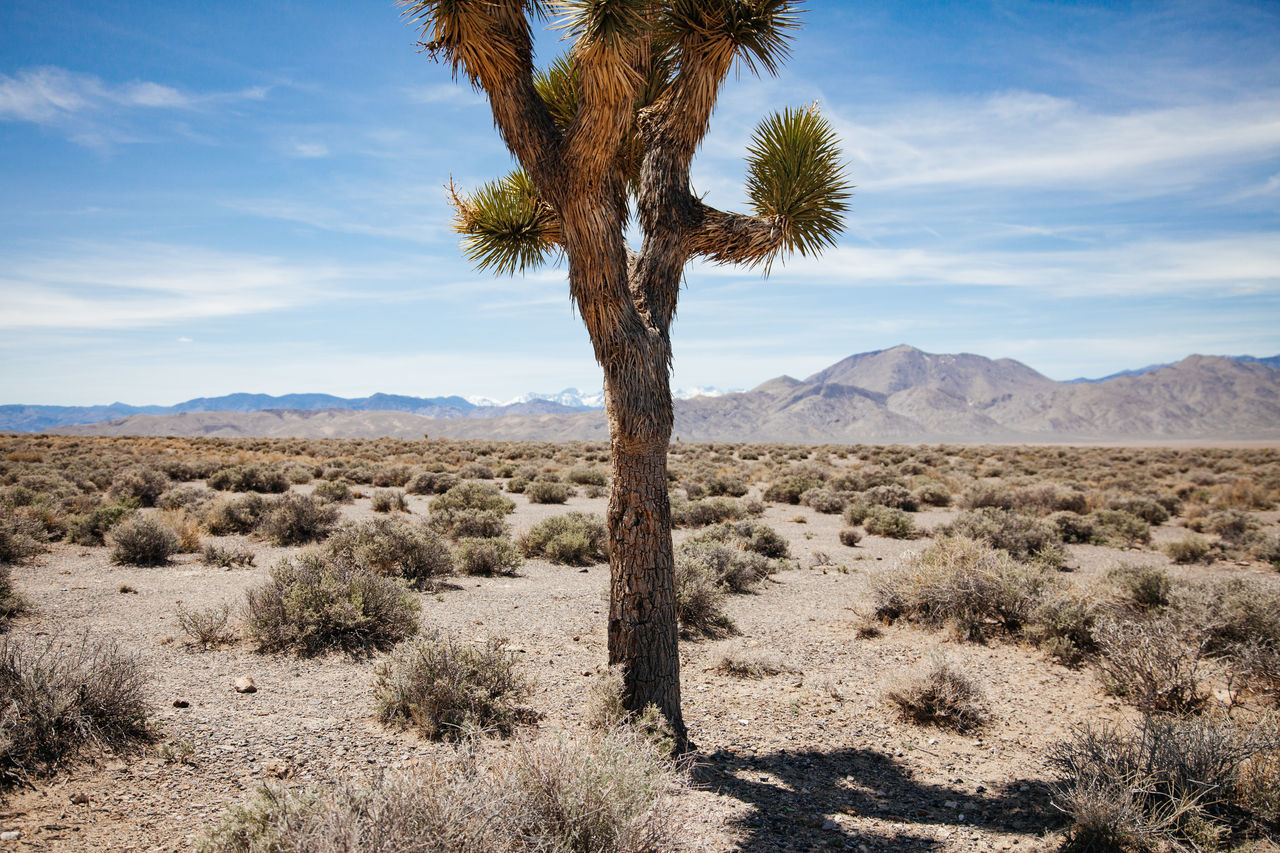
(643, 632)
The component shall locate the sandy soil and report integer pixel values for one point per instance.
(813, 759)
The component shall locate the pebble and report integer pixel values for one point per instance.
(244, 684)
(10, 835)
(181, 703)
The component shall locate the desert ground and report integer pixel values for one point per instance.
(786, 688)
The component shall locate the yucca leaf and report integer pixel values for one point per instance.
(794, 172)
(506, 226)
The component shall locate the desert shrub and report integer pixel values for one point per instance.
(699, 598)
(965, 583)
(388, 546)
(585, 475)
(449, 689)
(732, 568)
(473, 496)
(1233, 526)
(311, 605)
(388, 500)
(294, 519)
(11, 602)
(1240, 621)
(1063, 625)
(235, 515)
(701, 513)
(544, 492)
(20, 536)
(299, 474)
(470, 510)
(1181, 781)
(1046, 498)
(249, 478)
(193, 498)
(603, 795)
(391, 475)
(788, 488)
(142, 541)
(1025, 538)
(725, 484)
(1115, 526)
(64, 697)
(824, 501)
(186, 526)
(889, 522)
(987, 494)
(207, 626)
(606, 712)
(1155, 663)
(487, 556)
(517, 485)
(892, 495)
(1145, 508)
(744, 664)
(1268, 551)
(1072, 527)
(475, 471)
(942, 694)
(1192, 548)
(574, 539)
(1141, 588)
(431, 483)
(333, 491)
(931, 493)
(850, 536)
(141, 483)
(226, 556)
(91, 528)
(855, 512)
(748, 536)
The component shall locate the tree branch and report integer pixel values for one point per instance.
(735, 238)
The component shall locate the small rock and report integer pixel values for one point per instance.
(79, 798)
(277, 768)
(181, 703)
(951, 804)
(244, 684)
(10, 835)
(830, 824)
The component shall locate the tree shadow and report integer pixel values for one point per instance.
(810, 800)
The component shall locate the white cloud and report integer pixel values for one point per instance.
(1034, 141)
(98, 287)
(310, 150)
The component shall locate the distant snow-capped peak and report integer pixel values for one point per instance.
(574, 398)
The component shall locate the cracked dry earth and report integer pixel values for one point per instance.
(812, 759)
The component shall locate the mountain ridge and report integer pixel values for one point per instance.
(901, 394)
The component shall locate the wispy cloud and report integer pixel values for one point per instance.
(1030, 140)
(82, 104)
(99, 287)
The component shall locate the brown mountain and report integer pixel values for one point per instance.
(895, 395)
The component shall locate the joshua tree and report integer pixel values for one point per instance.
(604, 133)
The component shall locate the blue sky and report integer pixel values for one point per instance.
(197, 199)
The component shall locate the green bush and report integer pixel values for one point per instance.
(235, 515)
(1063, 625)
(142, 540)
(850, 536)
(64, 697)
(448, 689)
(748, 536)
(585, 475)
(699, 597)
(824, 501)
(312, 605)
(249, 478)
(889, 522)
(1115, 526)
(333, 491)
(294, 519)
(964, 583)
(487, 556)
(470, 510)
(91, 528)
(789, 488)
(606, 795)
(1141, 588)
(388, 546)
(431, 483)
(1025, 538)
(544, 492)
(143, 484)
(701, 513)
(1074, 528)
(388, 500)
(574, 539)
(733, 569)
(891, 495)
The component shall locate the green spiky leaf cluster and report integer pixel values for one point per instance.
(506, 227)
(794, 172)
(758, 32)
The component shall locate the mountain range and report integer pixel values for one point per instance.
(896, 395)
